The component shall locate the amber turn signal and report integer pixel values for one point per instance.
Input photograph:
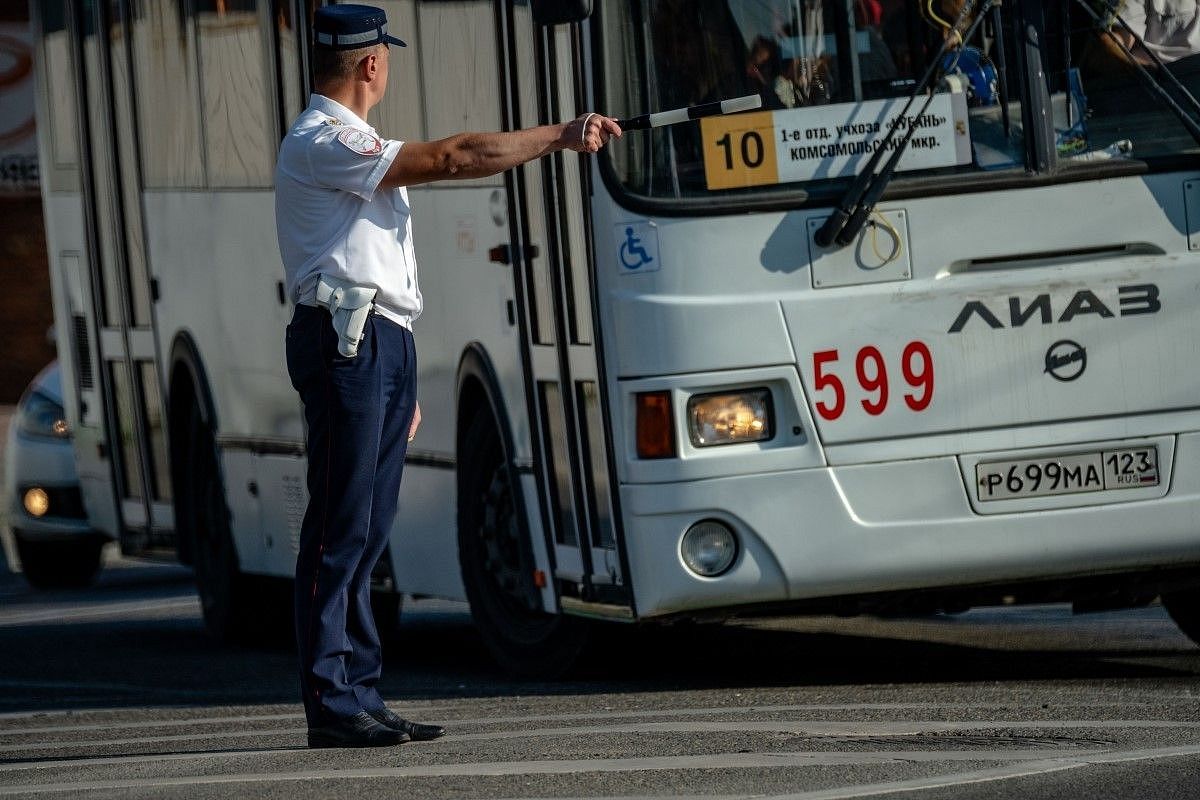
(655, 425)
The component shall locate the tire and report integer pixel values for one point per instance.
(59, 564)
(386, 609)
(226, 595)
(497, 568)
(1184, 608)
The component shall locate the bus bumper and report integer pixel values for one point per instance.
(891, 527)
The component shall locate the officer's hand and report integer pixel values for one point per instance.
(589, 133)
(416, 423)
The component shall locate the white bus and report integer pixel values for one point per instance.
(648, 392)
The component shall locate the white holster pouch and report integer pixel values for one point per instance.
(349, 305)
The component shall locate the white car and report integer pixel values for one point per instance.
(56, 544)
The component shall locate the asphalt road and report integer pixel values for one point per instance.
(115, 692)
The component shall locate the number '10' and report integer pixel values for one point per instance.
(751, 146)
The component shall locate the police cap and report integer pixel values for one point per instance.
(346, 27)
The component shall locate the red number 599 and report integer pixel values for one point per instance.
(916, 365)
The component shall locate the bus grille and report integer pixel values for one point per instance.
(83, 352)
(293, 503)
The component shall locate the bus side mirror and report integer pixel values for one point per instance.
(560, 12)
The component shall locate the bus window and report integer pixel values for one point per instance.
(133, 248)
(401, 114)
(156, 440)
(832, 77)
(168, 92)
(1113, 114)
(458, 70)
(130, 472)
(238, 96)
(56, 69)
(290, 72)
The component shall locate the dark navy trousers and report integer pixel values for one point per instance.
(358, 412)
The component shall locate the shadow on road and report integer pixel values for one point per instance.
(167, 660)
(136, 639)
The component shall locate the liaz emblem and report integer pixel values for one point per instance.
(1066, 360)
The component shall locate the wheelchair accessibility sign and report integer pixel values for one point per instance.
(637, 247)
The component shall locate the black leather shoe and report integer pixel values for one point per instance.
(415, 730)
(361, 730)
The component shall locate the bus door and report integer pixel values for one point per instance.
(544, 82)
(122, 289)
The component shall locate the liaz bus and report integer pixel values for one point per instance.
(656, 384)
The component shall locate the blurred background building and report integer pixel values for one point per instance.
(25, 311)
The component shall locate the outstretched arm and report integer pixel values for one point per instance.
(478, 155)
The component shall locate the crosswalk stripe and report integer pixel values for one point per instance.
(1039, 762)
(813, 728)
(156, 606)
(518, 719)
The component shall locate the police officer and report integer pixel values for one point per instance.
(345, 235)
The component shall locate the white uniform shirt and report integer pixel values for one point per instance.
(329, 217)
(1171, 28)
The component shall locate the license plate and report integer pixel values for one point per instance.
(1098, 471)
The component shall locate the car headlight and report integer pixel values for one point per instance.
(41, 416)
(36, 501)
(730, 417)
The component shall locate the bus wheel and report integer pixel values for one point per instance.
(224, 592)
(385, 610)
(1184, 608)
(497, 568)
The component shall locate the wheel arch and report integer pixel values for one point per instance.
(478, 390)
(187, 386)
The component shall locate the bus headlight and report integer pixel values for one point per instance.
(708, 548)
(730, 417)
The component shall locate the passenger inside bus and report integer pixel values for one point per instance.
(1121, 109)
(794, 54)
(1170, 28)
(695, 58)
(875, 59)
(764, 74)
(808, 54)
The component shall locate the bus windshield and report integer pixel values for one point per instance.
(834, 76)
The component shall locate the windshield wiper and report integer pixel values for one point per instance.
(848, 218)
(1156, 86)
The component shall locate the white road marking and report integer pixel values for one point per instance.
(810, 728)
(434, 711)
(1042, 761)
(146, 740)
(415, 710)
(1058, 764)
(633, 713)
(145, 723)
(90, 612)
(849, 728)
